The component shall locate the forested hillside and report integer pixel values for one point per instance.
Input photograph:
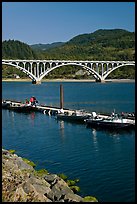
(14, 49)
(115, 44)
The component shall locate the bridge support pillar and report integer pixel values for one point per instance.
(36, 82)
(100, 80)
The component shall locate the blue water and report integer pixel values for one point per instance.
(103, 161)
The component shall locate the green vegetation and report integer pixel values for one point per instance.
(71, 183)
(14, 49)
(114, 44)
(90, 199)
(63, 176)
(12, 151)
(75, 189)
(41, 172)
(31, 163)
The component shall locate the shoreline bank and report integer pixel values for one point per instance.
(68, 80)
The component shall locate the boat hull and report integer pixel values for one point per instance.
(73, 118)
(19, 107)
(24, 109)
(108, 124)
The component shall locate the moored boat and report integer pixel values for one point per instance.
(22, 108)
(6, 104)
(111, 122)
(76, 116)
(18, 106)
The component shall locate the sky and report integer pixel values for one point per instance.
(49, 22)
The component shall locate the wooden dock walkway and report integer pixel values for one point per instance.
(52, 110)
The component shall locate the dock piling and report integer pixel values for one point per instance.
(61, 97)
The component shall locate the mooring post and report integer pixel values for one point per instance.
(61, 96)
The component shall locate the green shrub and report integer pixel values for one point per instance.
(71, 182)
(75, 189)
(12, 151)
(31, 163)
(63, 176)
(90, 199)
(41, 172)
(76, 180)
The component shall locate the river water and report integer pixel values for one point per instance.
(104, 161)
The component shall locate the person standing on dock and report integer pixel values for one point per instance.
(32, 100)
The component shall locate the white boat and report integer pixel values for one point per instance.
(112, 121)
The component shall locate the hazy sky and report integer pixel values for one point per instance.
(48, 22)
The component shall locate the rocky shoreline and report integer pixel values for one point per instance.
(22, 183)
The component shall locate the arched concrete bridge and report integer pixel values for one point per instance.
(37, 69)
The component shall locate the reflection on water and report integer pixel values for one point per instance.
(61, 128)
(95, 141)
(32, 115)
(94, 132)
(116, 136)
(112, 131)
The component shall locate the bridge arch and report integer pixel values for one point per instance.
(116, 67)
(21, 68)
(90, 70)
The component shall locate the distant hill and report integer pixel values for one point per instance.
(14, 49)
(46, 46)
(115, 44)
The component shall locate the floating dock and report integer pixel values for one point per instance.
(49, 110)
